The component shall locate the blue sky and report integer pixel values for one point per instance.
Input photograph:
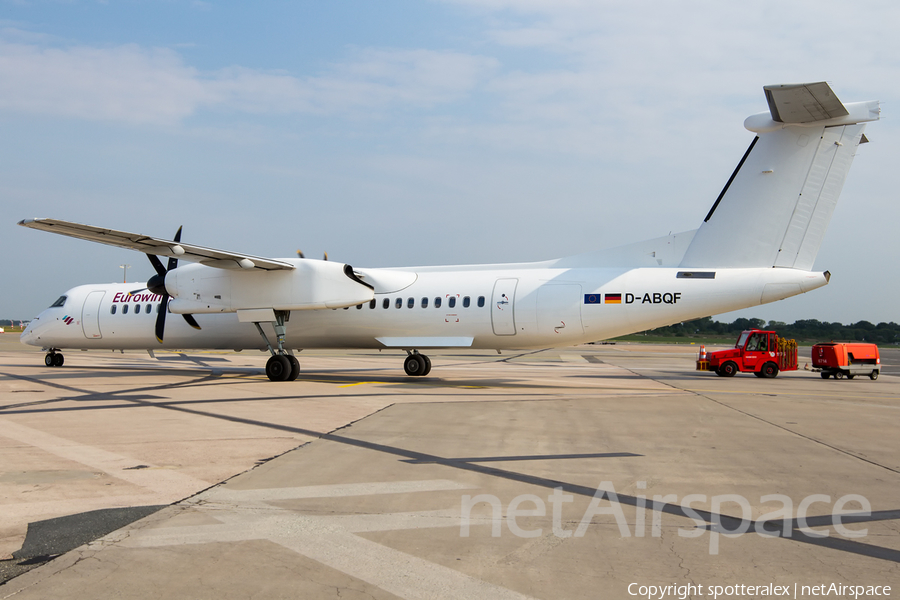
(399, 132)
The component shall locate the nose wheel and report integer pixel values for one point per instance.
(417, 365)
(54, 359)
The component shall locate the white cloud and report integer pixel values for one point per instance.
(126, 83)
(133, 84)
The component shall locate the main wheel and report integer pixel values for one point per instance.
(278, 368)
(873, 375)
(769, 370)
(58, 360)
(49, 359)
(427, 365)
(838, 374)
(728, 369)
(295, 367)
(414, 365)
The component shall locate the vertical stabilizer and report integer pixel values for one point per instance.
(776, 206)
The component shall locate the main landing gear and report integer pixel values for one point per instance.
(54, 358)
(417, 365)
(282, 365)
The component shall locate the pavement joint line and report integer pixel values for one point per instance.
(792, 394)
(332, 541)
(110, 463)
(839, 544)
(869, 550)
(806, 437)
(783, 428)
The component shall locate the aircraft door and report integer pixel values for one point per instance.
(559, 310)
(90, 315)
(502, 314)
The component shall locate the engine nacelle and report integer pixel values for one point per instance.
(313, 284)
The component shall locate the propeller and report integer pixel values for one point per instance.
(301, 255)
(157, 285)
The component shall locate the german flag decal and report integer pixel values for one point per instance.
(613, 299)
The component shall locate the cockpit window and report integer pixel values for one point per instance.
(60, 302)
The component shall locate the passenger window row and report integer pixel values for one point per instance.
(148, 308)
(437, 302)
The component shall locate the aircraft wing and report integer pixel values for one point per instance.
(159, 247)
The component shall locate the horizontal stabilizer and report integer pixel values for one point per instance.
(803, 103)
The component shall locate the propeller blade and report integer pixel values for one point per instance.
(157, 265)
(191, 321)
(156, 284)
(161, 318)
(173, 262)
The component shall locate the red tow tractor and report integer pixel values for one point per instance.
(760, 352)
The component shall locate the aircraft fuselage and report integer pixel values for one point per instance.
(487, 307)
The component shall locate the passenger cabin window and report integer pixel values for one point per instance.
(452, 302)
(112, 309)
(424, 302)
(466, 302)
(124, 309)
(59, 302)
(148, 309)
(411, 302)
(480, 301)
(399, 302)
(358, 306)
(137, 309)
(437, 302)
(372, 303)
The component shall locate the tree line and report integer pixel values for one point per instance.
(807, 330)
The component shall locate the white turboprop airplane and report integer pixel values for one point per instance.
(756, 245)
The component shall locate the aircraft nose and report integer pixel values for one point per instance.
(29, 334)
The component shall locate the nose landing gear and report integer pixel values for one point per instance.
(54, 358)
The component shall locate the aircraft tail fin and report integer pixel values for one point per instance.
(775, 208)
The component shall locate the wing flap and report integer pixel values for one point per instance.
(221, 259)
